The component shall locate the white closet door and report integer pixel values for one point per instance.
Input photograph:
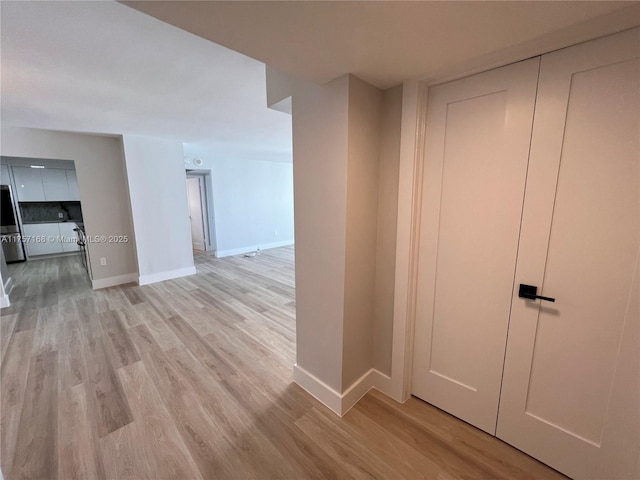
(477, 147)
(571, 389)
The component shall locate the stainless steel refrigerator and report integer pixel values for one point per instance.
(9, 229)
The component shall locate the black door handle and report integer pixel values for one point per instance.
(530, 292)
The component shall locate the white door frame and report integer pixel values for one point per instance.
(412, 147)
(205, 193)
(412, 136)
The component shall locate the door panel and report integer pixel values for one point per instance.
(570, 394)
(28, 184)
(54, 181)
(72, 182)
(195, 213)
(478, 133)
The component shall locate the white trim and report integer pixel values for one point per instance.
(8, 286)
(208, 205)
(339, 403)
(252, 248)
(318, 389)
(352, 395)
(412, 140)
(162, 276)
(204, 211)
(283, 106)
(113, 281)
(4, 300)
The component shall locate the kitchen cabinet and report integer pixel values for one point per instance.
(68, 237)
(72, 183)
(42, 238)
(29, 186)
(54, 182)
(48, 238)
(4, 175)
(45, 184)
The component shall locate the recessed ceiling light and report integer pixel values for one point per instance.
(37, 166)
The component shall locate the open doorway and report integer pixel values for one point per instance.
(201, 211)
(43, 240)
(196, 215)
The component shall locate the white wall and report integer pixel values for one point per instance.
(365, 104)
(389, 168)
(160, 212)
(320, 153)
(346, 149)
(252, 203)
(103, 191)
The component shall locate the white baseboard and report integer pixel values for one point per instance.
(6, 291)
(113, 281)
(8, 286)
(4, 300)
(252, 248)
(317, 388)
(340, 403)
(162, 276)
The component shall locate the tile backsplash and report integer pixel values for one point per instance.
(38, 212)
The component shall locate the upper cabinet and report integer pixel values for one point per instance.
(29, 184)
(46, 184)
(54, 181)
(72, 182)
(4, 175)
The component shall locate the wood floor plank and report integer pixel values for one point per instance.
(48, 330)
(157, 325)
(72, 367)
(36, 454)
(123, 351)
(207, 445)
(27, 319)
(113, 298)
(13, 380)
(7, 325)
(104, 391)
(495, 456)
(129, 318)
(77, 451)
(358, 460)
(460, 464)
(192, 379)
(133, 294)
(157, 302)
(160, 436)
(253, 445)
(71, 361)
(409, 462)
(200, 348)
(125, 457)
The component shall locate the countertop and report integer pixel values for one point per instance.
(52, 221)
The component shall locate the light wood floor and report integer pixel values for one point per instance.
(192, 379)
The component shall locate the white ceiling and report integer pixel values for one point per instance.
(102, 67)
(386, 42)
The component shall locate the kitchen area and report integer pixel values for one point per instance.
(41, 212)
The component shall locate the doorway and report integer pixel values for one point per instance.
(200, 202)
(530, 193)
(196, 214)
(42, 228)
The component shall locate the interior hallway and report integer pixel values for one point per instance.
(192, 378)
